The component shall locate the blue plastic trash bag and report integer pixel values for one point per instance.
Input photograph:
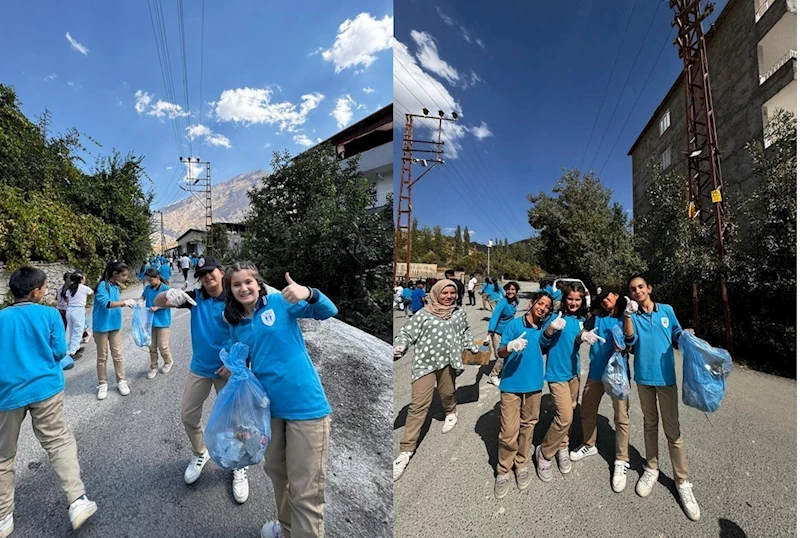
(705, 372)
(615, 378)
(238, 429)
(142, 325)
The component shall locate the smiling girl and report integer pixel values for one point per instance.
(297, 455)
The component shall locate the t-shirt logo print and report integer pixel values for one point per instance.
(665, 322)
(268, 317)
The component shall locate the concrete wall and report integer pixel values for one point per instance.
(55, 277)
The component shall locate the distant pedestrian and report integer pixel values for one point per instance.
(418, 297)
(471, 289)
(76, 296)
(485, 293)
(495, 293)
(407, 293)
(61, 301)
(162, 319)
(185, 263)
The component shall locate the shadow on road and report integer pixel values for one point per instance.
(488, 428)
(729, 529)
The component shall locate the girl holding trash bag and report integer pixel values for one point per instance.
(162, 319)
(504, 311)
(597, 332)
(562, 376)
(297, 455)
(440, 333)
(521, 384)
(210, 334)
(106, 325)
(651, 329)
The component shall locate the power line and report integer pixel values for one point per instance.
(202, 31)
(608, 84)
(185, 76)
(625, 84)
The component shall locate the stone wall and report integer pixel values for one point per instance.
(55, 277)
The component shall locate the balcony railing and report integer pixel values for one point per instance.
(763, 9)
(785, 58)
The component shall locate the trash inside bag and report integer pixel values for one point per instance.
(238, 429)
(705, 372)
(615, 378)
(142, 325)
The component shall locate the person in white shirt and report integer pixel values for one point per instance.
(185, 267)
(76, 295)
(471, 290)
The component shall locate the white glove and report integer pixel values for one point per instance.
(294, 292)
(398, 351)
(559, 323)
(591, 337)
(518, 344)
(130, 303)
(630, 307)
(176, 297)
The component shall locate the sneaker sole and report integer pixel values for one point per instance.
(565, 471)
(620, 490)
(697, 518)
(7, 532)
(82, 516)
(241, 501)
(643, 495)
(578, 457)
(525, 485)
(500, 496)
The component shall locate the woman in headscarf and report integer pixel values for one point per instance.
(440, 333)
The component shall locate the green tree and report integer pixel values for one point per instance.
(458, 245)
(218, 239)
(309, 219)
(467, 241)
(581, 233)
(438, 244)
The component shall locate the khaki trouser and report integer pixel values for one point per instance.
(565, 398)
(444, 381)
(666, 399)
(105, 340)
(519, 414)
(296, 461)
(498, 363)
(55, 438)
(160, 342)
(592, 394)
(195, 394)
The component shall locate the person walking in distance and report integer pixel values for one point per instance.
(471, 289)
(185, 268)
(210, 333)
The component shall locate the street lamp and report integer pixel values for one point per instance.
(489, 258)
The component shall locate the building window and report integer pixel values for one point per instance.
(666, 159)
(664, 124)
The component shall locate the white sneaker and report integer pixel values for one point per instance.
(166, 368)
(620, 478)
(152, 373)
(7, 525)
(583, 452)
(645, 484)
(690, 506)
(102, 391)
(563, 461)
(450, 422)
(271, 529)
(81, 510)
(494, 380)
(195, 467)
(241, 487)
(123, 388)
(399, 465)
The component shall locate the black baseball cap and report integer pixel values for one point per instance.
(603, 292)
(207, 264)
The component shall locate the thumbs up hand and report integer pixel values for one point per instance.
(559, 323)
(519, 343)
(294, 292)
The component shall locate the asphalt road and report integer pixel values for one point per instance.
(133, 451)
(742, 462)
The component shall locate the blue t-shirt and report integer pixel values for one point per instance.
(34, 341)
(503, 313)
(407, 293)
(105, 319)
(523, 371)
(165, 272)
(495, 295)
(278, 355)
(163, 316)
(563, 356)
(653, 335)
(416, 299)
(600, 353)
(209, 331)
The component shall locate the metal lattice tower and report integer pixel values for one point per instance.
(705, 167)
(193, 186)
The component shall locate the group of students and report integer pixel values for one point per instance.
(543, 346)
(233, 305)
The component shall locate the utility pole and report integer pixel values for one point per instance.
(489, 258)
(193, 186)
(407, 181)
(163, 242)
(705, 166)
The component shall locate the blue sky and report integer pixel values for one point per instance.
(528, 81)
(274, 77)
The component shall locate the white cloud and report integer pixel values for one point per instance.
(447, 20)
(343, 112)
(193, 171)
(142, 100)
(449, 230)
(316, 52)
(368, 90)
(303, 140)
(359, 40)
(218, 140)
(267, 145)
(51, 77)
(253, 106)
(118, 101)
(428, 56)
(480, 44)
(319, 140)
(165, 109)
(197, 130)
(77, 46)
(474, 79)
(169, 168)
(471, 233)
(482, 131)
(465, 34)
(211, 138)
(70, 83)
